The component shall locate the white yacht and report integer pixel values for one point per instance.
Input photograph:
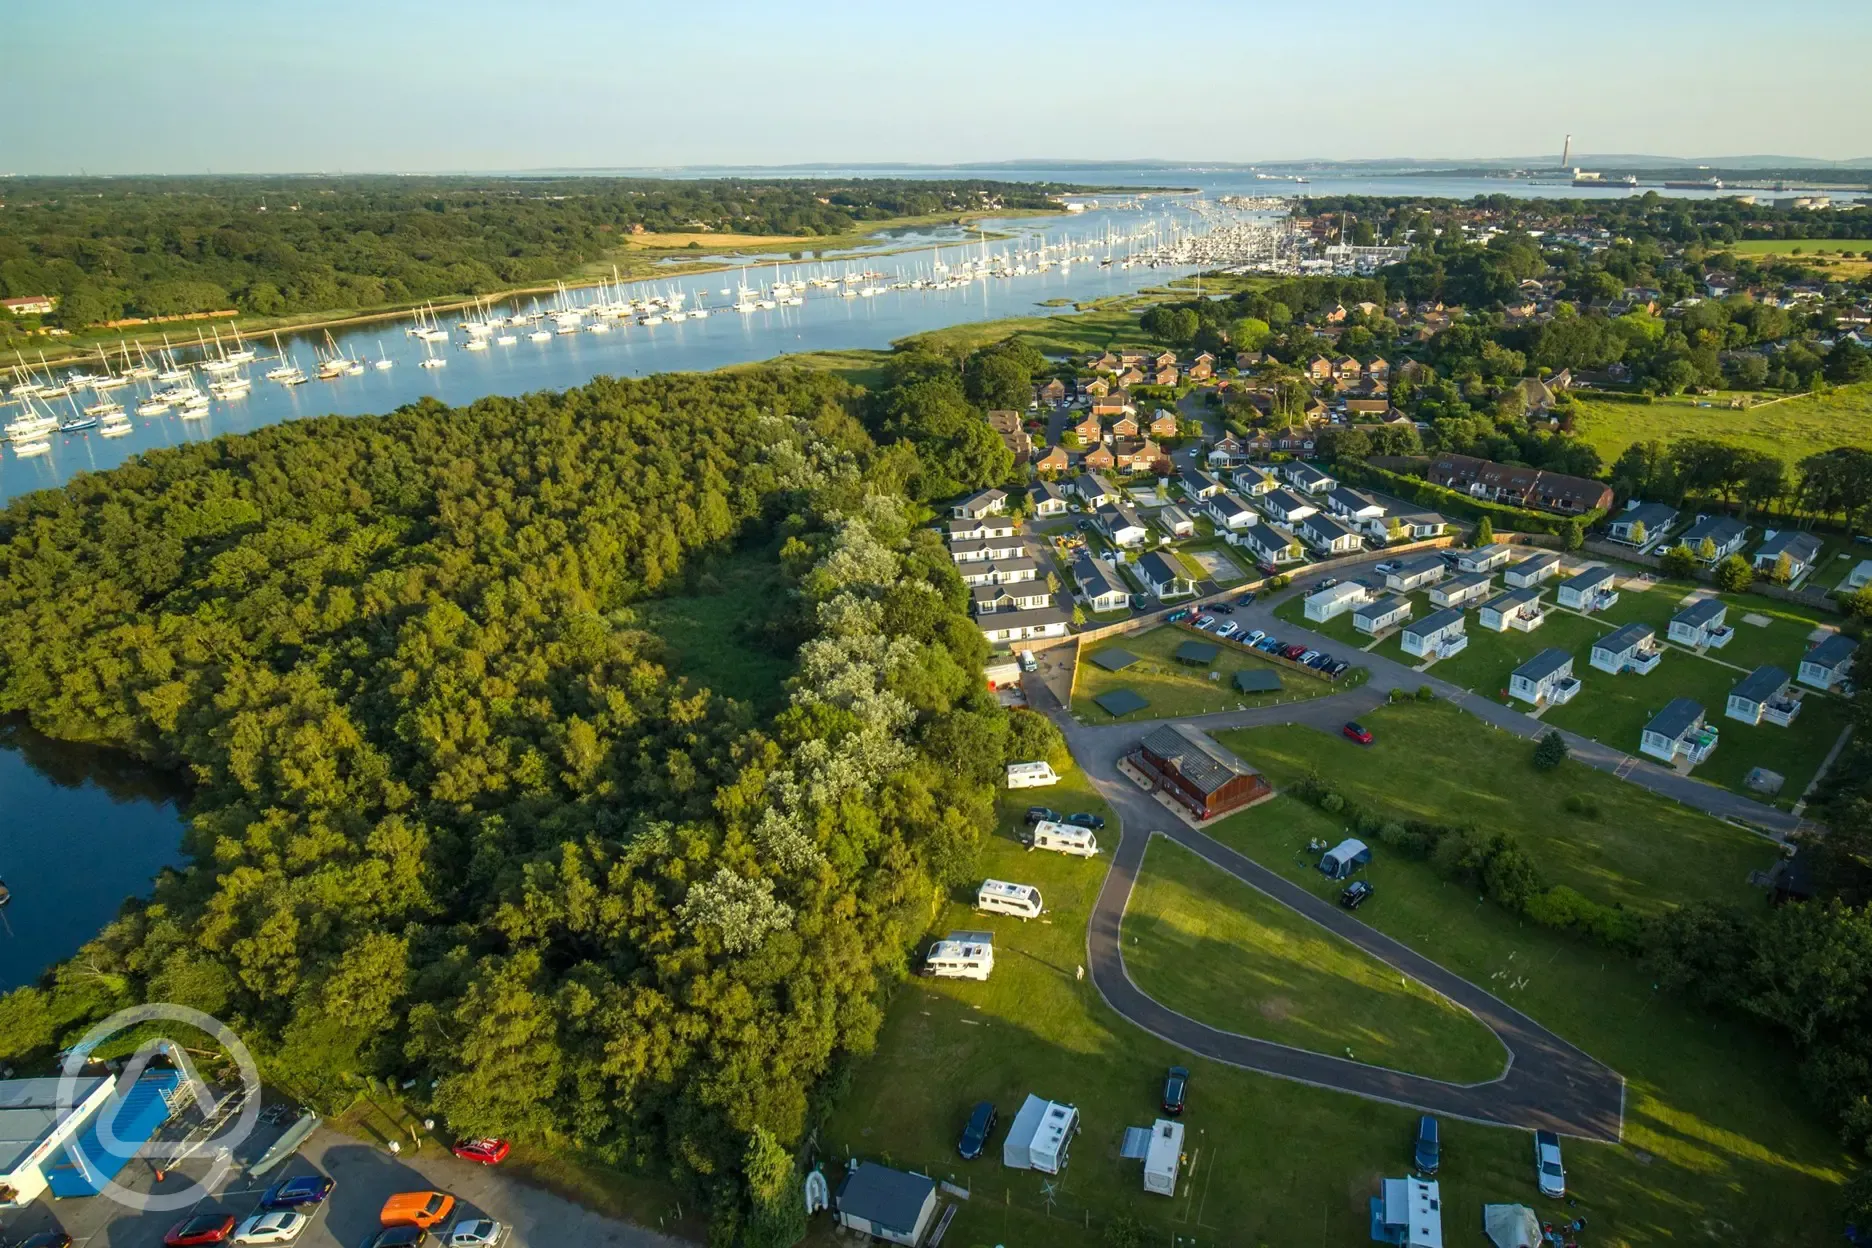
(38, 446)
(115, 426)
(151, 407)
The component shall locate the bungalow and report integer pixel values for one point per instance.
(975, 506)
(1375, 617)
(1545, 678)
(1678, 731)
(1700, 625)
(1632, 648)
(1463, 590)
(1163, 424)
(987, 548)
(1438, 635)
(1418, 525)
(1175, 521)
(1306, 477)
(1367, 409)
(1229, 512)
(1518, 609)
(1329, 535)
(1227, 453)
(997, 571)
(1335, 600)
(1285, 506)
(1019, 596)
(1250, 359)
(1100, 458)
(1859, 577)
(1484, 558)
(1191, 767)
(892, 1205)
(1055, 461)
(1589, 591)
(1763, 695)
(1254, 482)
(1093, 490)
(1120, 524)
(981, 530)
(1723, 533)
(1641, 523)
(1097, 586)
(1164, 576)
(1198, 484)
(1829, 664)
(1533, 571)
(1408, 574)
(1047, 500)
(1801, 549)
(1047, 621)
(1269, 546)
(1353, 505)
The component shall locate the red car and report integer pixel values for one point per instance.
(204, 1228)
(488, 1152)
(1357, 733)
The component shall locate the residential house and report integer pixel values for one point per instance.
(1379, 369)
(1517, 609)
(1164, 359)
(1335, 600)
(1202, 368)
(1015, 596)
(1415, 573)
(29, 305)
(1763, 695)
(1097, 388)
(1484, 558)
(1140, 455)
(889, 1204)
(1165, 576)
(1090, 431)
(1005, 571)
(979, 530)
(1829, 664)
(1306, 477)
(1228, 512)
(1537, 396)
(1352, 505)
(1254, 482)
(1131, 376)
(1198, 484)
(1007, 424)
(1175, 521)
(1001, 626)
(1093, 490)
(1117, 403)
(1367, 409)
(1105, 363)
(1328, 535)
(1462, 590)
(1047, 499)
(1165, 376)
(1319, 368)
(1294, 439)
(1163, 423)
(1245, 360)
(983, 503)
(1347, 371)
(1196, 771)
(1226, 453)
(1801, 549)
(1859, 577)
(1120, 524)
(1519, 487)
(1056, 460)
(1677, 732)
(1054, 392)
(1630, 648)
(1097, 586)
(1126, 426)
(1269, 546)
(1701, 625)
(1374, 617)
(1100, 458)
(978, 551)
(1438, 635)
(1545, 679)
(1723, 533)
(1419, 525)
(1589, 591)
(1641, 523)
(1533, 571)
(1285, 507)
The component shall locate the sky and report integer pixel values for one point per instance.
(193, 86)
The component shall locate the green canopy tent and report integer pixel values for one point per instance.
(1197, 653)
(1121, 702)
(1114, 660)
(1258, 680)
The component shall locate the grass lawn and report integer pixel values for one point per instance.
(1791, 428)
(1484, 665)
(1177, 689)
(1341, 629)
(1211, 947)
(708, 628)
(1430, 761)
(1823, 254)
(1069, 334)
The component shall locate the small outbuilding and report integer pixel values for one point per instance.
(1118, 703)
(892, 1205)
(1257, 680)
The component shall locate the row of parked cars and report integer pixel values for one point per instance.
(1267, 643)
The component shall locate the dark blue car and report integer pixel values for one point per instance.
(975, 1133)
(1429, 1153)
(304, 1189)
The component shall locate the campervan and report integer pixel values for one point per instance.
(1000, 897)
(961, 955)
(1064, 838)
(1031, 775)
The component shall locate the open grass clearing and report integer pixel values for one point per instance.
(1110, 328)
(1790, 428)
(1430, 761)
(713, 630)
(1210, 947)
(1177, 689)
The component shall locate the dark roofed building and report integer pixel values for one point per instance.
(1197, 652)
(1121, 702)
(1198, 772)
(1517, 486)
(890, 1204)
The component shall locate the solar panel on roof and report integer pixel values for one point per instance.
(1114, 660)
(1121, 702)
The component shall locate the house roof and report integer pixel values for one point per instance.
(1544, 664)
(1435, 622)
(1468, 580)
(1263, 539)
(1597, 575)
(1023, 619)
(1351, 500)
(1794, 543)
(1116, 516)
(30, 1109)
(1198, 759)
(1513, 598)
(1623, 639)
(1173, 514)
(1159, 570)
(1651, 515)
(1492, 551)
(1537, 562)
(1197, 479)
(1283, 500)
(1832, 652)
(1421, 563)
(982, 498)
(1701, 612)
(1092, 483)
(885, 1197)
(1325, 527)
(1041, 492)
(1380, 608)
(1307, 473)
(1760, 685)
(1227, 504)
(1719, 529)
(1677, 718)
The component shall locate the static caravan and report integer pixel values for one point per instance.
(1335, 600)
(1040, 1136)
(1344, 858)
(961, 955)
(1064, 838)
(1000, 897)
(1031, 775)
(1166, 1153)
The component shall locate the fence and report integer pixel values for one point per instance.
(1267, 655)
(1819, 599)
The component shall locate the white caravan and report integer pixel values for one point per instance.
(1000, 897)
(1064, 838)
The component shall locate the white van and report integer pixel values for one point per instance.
(1031, 775)
(1000, 897)
(1064, 838)
(961, 955)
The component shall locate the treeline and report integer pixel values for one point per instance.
(120, 247)
(455, 818)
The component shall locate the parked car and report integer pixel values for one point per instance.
(478, 1233)
(1308, 657)
(1428, 1154)
(1294, 651)
(423, 1209)
(1382, 568)
(1357, 732)
(1043, 814)
(1223, 607)
(1085, 819)
(1338, 666)
(1246, 598)
(1547, 1168)
(277, 1226)
(398, 1237)
(1176, 1089)
(304, 1189)
(975, 1132)
(1205, 622)
(489, 1152)
(1355, 894)
(1327, 583)
(1228, 629)
(47, 1239)
(1254, 637)
(203, 1228)
(1027, 661)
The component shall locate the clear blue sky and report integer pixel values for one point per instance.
(128, 86)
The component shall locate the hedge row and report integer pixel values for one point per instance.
(1430, 494)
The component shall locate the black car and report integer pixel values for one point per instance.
(975, 1132)
(1082, 819)
(1355, 894)
(1176, 1088)
(1428, 1154)
(1223, 607)
(397, 1237)
(1043, 814)
(47, 1239)
(1247, 598)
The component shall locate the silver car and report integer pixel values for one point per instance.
(478, 1233)
(276, 1226)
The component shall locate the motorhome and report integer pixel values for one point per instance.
(1031, 775)
(1000, 897)
(1064, 838)
(961, 955)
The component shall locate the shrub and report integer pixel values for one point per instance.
(1551, 752)
(1398, 695)
(1733, 575)
(1679, 562)
(1425, 693)
(1485, 532)
(1581, 805)
(1393, 834)
(1332, 803)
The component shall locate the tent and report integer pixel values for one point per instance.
(1114, 660)
(1258, 680)
(1511, 1226)
(1344, 858)
(1120, 702)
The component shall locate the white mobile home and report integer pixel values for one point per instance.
(1335, 600)
(1829, 664)
(1702, 625)
(1547, 678)
(1031, 775)
(1589, 591)
(1437, 635)
(1518, 609)
(1165, 1154)
(1484, 558)
(1462, 590)
(1375, 617)
(1678, 731)
(1000, 897)
(1040, 1136)
(891, 1205)
(1632, 648)
(961, 955)
(1763, 695)
(1064, 838)
(1411, 574)
(1532, 571)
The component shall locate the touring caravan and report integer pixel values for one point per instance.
(1041, 1134)
(1166, 1152)
(1064, 838)
(961, 955)
(1000, 897)
(1031, 775)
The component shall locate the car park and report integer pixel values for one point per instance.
(275, 1226)
(203, 1228)
(1175, 1091)
(489, 1151)
(1227, 629)
(1428, 1153)
(1547, 1168)
(977, 1130)
(304, 1189)
(478, 1233)
(1355, 894)
(1085, 819)
(1357, 732)
(1044, 814)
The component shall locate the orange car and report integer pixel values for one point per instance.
(423, 1209)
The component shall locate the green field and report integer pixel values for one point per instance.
(1791, 428)
(1112, 327)
(1176, 689)
(1341, 629)
(710, 629)
(1807, 246)
(1431, 761)
(1211, 947)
